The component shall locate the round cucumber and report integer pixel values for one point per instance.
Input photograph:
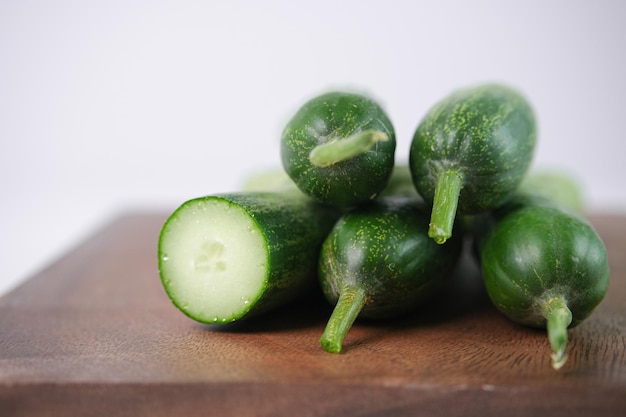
(556, 185)
(471, 151)
(339, 148)
(378, 262)
(544, 266)
(226, 257)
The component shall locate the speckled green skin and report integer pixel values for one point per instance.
(293, 228)
(486, 134)
(383, 248)
(333, 116)
(535, 251)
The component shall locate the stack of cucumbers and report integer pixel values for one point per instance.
(379, 238)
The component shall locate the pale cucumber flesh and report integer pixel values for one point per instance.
(213, 260)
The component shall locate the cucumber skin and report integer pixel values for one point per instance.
(487, 134)
(368, 241)
(535, 250)
(560, 187)
(276, 180)
(338, 114)
(293, 227)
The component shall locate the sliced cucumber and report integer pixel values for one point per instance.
(225, 257)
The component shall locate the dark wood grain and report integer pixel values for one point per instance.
(95, 335)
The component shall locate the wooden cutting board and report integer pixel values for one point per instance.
(95, 335)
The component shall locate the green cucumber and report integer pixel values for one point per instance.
(556, 185)
(225, 257)
(400, 184)
(471, 151)
(544, 266)
(274, 180)
(277, 180)
(339, 148)
(545, 186)
(378, 262)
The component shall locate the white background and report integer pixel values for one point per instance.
(107, 106)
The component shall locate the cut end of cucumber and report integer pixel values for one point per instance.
(437, 234)
(212, 260)
(558, 360)
(330, 345)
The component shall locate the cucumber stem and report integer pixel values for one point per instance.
(558, 317)
(351, 301)
(445, 204)
(341, 149)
